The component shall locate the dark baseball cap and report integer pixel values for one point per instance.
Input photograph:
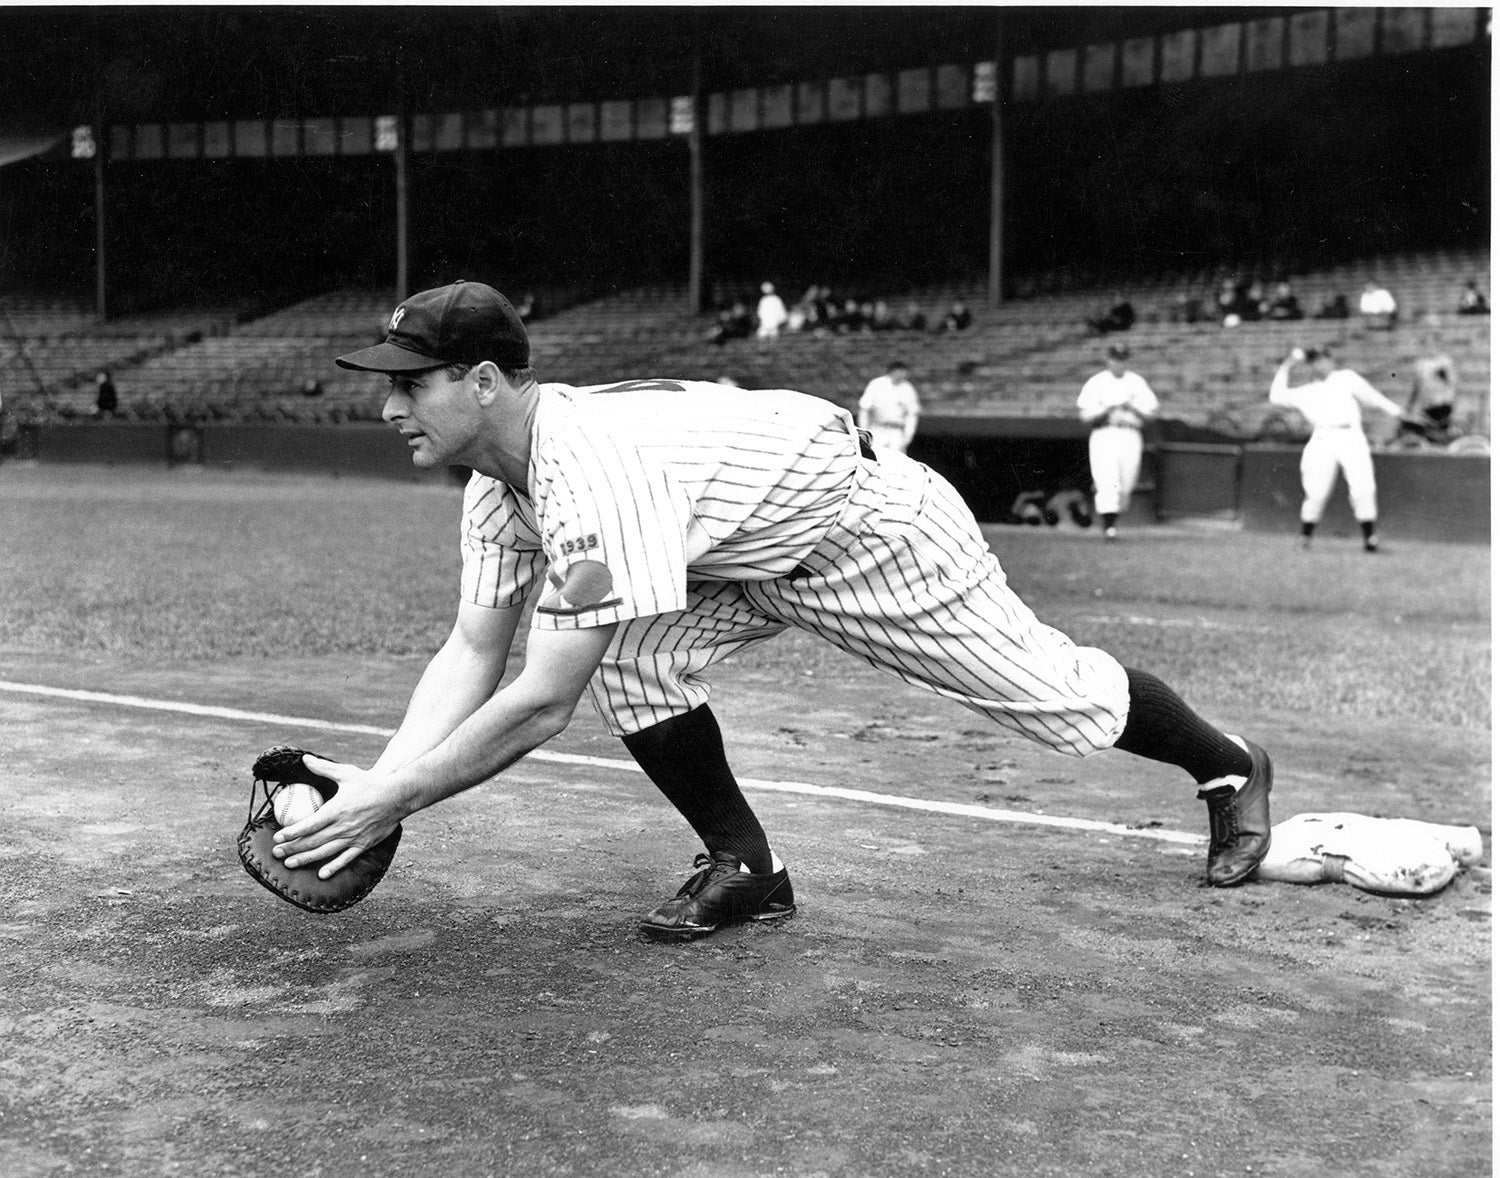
(462, 323)
(1118, 352)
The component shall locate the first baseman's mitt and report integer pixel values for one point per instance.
(273, 770)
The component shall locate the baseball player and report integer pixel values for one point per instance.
(1331, 403)
(1116, 403)
(664, 525)
(889, 408)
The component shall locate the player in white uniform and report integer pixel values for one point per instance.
(665, 524)
(1332, 404)
(889, 408)
(1116, 403)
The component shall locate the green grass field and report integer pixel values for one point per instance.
(172, 566)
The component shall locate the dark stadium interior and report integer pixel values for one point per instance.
(232, 275)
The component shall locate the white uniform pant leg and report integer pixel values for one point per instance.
(1359, 472)
(1319, 469)
(906, 582)
(651, 671)
(1115, 464)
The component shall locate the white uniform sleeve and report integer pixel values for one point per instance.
(614, 532)
(502, 555)
(1367, 394)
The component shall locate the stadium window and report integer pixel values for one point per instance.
(877, 95)
(843, 99)
(148, 145)
(356, 136)
(1307, 40)
(1221, 51)
(614, 121)
(1062, 73)
(718, 114)
(119, 142)
(448, 132)
(1453, 26)
(952, 87)
(515, 126)
(1265, 41)
(286, 135)
(776, 106)
(986, 81)
(651, 118)
(1177, 53)
(547, 124)
(387, 133)
(811, 102)
(319, 137)
(581, 122)
(215, 140)
(421, 132)
(1025, 79)
(250, 139)
(744, 110)
(1098, 68)
(914, 91)
(1138, 62)
(1403, 30)
(1353, 33)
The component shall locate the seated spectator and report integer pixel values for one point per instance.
(1228, 302)
(526, 309)
(735, 322)
(1119, 317)
(1335, 306)
(915, 319)
(1472, 301)
(1434, 389)
(1283, 304)
(849, 318)
(958, 318)
(1253, 303)
(1186, 308)
(312, 387)
(882, 318)
(107, 398)
(1378, 307)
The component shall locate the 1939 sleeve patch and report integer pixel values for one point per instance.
(583, 585)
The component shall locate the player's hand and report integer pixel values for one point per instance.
(363, 811)
(1297, 356)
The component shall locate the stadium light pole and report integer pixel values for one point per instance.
(695, 176)
(997, 171)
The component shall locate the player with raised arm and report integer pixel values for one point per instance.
(1332, 402)
(667, 524)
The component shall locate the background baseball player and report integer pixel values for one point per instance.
(889, 408)
(1331, 402)
(667, 524)
(1116, 403)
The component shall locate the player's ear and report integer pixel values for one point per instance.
(488, 382)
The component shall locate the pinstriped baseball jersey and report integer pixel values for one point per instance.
(704, 519)
(660, 482)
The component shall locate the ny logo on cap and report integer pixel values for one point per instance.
(396, 317)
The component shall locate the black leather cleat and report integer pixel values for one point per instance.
(1239, 824)
(719, 893)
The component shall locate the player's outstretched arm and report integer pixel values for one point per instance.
(460, 678)
(517, 719)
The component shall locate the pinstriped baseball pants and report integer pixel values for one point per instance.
(905, 581)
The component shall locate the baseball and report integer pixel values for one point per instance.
(295, 802)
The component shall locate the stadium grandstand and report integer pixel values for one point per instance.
(212, 224)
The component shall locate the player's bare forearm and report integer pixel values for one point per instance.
(456, 683)
(519, 718)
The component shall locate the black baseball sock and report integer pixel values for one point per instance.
(1107, 519)
(684, 756)
(1161, 727)
(1307, 530)
(1367, 529)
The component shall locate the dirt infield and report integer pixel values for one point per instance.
(957, 995)
(953, 997)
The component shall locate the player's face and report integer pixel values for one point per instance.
(436, 414)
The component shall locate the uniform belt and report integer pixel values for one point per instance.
(1118, 425)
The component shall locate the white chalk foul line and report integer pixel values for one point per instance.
(959, 809)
